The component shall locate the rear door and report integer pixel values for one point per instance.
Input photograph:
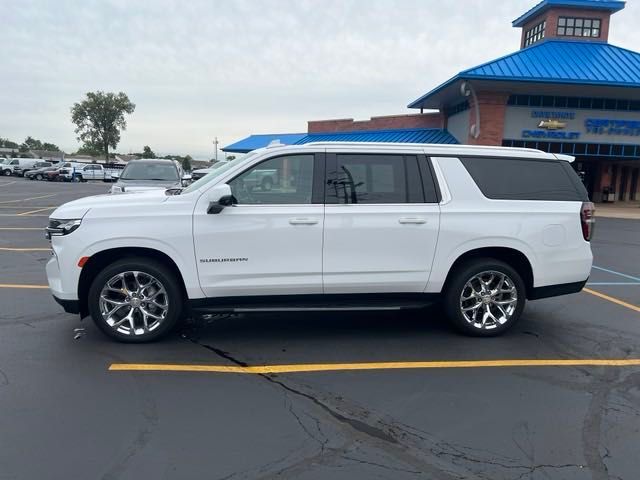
(381, 223)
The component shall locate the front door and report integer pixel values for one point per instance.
(270, 243)
(381, 223)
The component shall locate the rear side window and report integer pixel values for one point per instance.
(521, 179)
(373, 179)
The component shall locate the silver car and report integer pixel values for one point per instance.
(148, 174)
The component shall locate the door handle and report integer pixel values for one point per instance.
(414, 220)
(303, 221)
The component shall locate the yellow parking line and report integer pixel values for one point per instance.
(622, 303)
(36, 211)
(330, 367)
(17, 207)
(20, 215)
(14, 285)
(22, 228)
(34, 249)
(30, 198)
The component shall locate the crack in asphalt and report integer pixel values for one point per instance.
(354, 423)
(407, 452)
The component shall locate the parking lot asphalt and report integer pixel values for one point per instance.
(385, 395)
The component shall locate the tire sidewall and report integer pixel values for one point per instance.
(459, 279)
(151, 267)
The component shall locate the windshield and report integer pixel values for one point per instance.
(150, 171)
(216, 173)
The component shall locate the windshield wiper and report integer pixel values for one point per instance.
(173, 191)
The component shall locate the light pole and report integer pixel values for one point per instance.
(215, 146)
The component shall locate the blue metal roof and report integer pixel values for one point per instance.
(253, 142)
(560, 62)
(610, 5)
(405, 135)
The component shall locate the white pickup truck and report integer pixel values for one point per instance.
(81, 172)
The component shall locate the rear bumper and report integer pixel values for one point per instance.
(556, 290)
(69, 306)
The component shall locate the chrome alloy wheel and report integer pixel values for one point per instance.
(133, 303)
(488, 300)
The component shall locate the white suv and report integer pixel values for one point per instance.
(342, 226)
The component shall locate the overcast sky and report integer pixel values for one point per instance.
(200, 69)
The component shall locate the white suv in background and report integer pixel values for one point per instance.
(342, 226)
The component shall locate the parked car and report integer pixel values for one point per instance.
(201, 172)
(22, 170)
(40, 173)
(346, 226)
(148, 174)
(81, 172)
(16, 165)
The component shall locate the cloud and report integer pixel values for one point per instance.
(198, 69)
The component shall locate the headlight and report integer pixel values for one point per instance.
(58, 228)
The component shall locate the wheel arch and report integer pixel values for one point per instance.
(98, 261)
(511, 256)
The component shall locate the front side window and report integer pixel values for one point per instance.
(282, 180)
(579, 27)
(373, 179)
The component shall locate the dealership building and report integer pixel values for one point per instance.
(566, 90)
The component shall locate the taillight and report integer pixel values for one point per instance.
(587, 219)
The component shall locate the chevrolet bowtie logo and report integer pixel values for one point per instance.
(552, 124)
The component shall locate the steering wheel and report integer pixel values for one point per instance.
(241, 192)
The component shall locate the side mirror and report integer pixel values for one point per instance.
(220, 197)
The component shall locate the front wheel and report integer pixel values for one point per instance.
(6, 173)
(484, 297)
(38, 177)
(135, 300)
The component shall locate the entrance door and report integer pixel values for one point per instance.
(623, 183)
(633, 193)
(381, 224)
(270, 243)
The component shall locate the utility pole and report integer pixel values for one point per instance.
(215, 146)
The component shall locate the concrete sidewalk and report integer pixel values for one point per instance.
(628, 210)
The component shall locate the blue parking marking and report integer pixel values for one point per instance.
(631, 277)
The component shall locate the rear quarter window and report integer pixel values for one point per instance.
(522, 179)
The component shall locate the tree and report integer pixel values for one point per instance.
(147, 152)
(52, 147)
(186, 163)
(99, 119)
(6, 143)
(30, 143)
(90, 150)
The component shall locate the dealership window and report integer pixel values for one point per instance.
(579, 27)
(534, 34)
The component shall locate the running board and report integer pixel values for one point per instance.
(312, 303)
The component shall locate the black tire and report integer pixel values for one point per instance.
(457, 286)
(37, 177)
(146, 266)
(6, 173)
(267, 184)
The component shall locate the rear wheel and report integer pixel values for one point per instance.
(6, 173)
(485, 297)
(135, 300)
